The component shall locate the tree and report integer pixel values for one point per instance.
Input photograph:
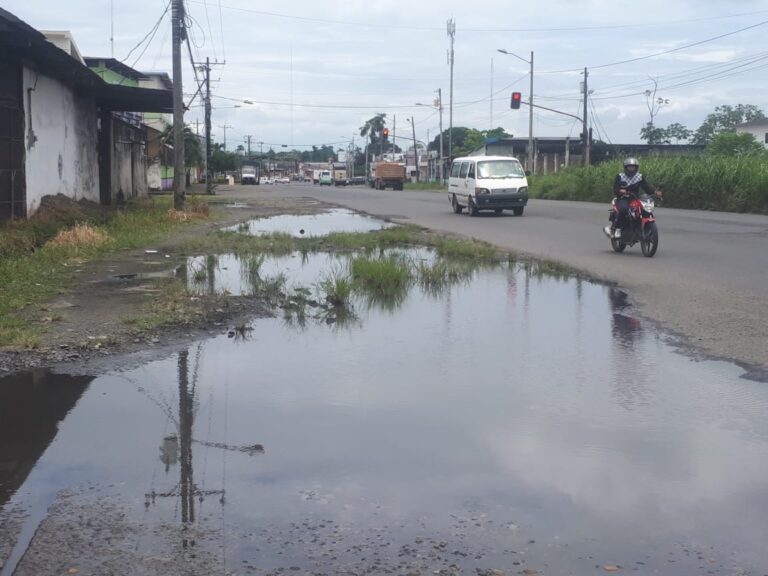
(653, 135)
(373, 129)
(678, 132)
(736, 144)
(724, 119)
(193, 154)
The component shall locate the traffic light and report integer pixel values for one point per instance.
(516, 99)
(385, 133)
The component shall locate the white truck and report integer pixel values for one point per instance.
(249, 174)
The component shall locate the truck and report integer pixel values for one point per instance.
(249, 174)
(316, 176)
(388, 175)
(340, 176)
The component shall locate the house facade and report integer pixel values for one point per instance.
(758, 129)
(56, 130)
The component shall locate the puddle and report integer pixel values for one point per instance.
(514, 422)
(147, 275)
(309, 225)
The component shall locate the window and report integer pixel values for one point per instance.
(464, 169)
(455, 169)
(471, 173)
(500, 169)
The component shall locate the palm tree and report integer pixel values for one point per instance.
(374, 127)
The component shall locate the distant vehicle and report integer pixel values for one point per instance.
(316, 176)
(495, 183)
(388, 175)
(249, 174)
(340, 177)
(266, 180)
(326, 178)
(283, 180)
(357, 180)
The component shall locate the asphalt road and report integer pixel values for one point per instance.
(708, 281)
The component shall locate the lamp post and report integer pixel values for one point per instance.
(531, 165)
(438, 105)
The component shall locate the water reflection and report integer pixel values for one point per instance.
(312, 225)
(498, 417)
(31, 406)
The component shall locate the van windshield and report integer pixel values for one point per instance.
(500, 169)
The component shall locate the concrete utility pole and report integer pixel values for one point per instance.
(225, 126)
(440, 109)
(208, 183)
(531, 156)
(248, 140)
(415, 150)
(585, 131)
(490, 127)
(178, 34)
(452, 34)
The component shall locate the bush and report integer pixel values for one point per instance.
(705, 182)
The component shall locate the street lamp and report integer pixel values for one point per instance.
(531, 165)
(438, 105)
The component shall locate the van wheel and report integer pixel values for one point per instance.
(518, 211)
(457, 208)
(471, 207)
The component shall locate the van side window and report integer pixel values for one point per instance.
(471, 173)
(455, 169)
(464, 169)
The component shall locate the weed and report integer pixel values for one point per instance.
(460, 248)
(336, 288)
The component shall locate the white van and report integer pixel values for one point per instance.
(487, 183)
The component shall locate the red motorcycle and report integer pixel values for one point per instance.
(642, 225)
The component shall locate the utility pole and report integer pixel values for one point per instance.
(585, 131)
(531, 156)
(208, 183)
(248, 140)
(415, 150)
(440, 107)
(225, 126)
(490, 127)
(178, 34)
(452, 34)
(394, 134)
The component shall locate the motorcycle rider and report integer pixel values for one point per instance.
(627, 184)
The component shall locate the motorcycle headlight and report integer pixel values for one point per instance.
(648, 205)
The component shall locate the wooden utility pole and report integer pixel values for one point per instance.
(178, 35)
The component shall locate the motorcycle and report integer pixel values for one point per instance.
(642, 225)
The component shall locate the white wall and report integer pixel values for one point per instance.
(62, 158)
(759, 132)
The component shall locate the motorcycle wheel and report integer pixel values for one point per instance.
(617, 245)
(649, 241)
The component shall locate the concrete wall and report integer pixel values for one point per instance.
(61, 141)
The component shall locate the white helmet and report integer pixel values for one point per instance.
(631, 162)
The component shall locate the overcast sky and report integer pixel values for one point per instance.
(317, 70)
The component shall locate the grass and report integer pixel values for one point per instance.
(38, 256)
(336, 288)
(703, 182)
(384, 280)
(429, 186)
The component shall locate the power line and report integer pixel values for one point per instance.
(150, 35)
(389, 26)
(221, 29)
(663, 52)
(210, 30)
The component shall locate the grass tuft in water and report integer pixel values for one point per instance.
(336, 289)
(383, 280)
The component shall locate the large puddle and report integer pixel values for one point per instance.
(312, 225)
(515, 421)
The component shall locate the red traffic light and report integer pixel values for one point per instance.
(385, 133)
(515, 101)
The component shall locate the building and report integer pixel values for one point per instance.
(758, 129)
(56, 123)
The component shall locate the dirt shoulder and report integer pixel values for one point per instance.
(96, 318)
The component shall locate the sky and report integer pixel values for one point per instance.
(301, 73)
